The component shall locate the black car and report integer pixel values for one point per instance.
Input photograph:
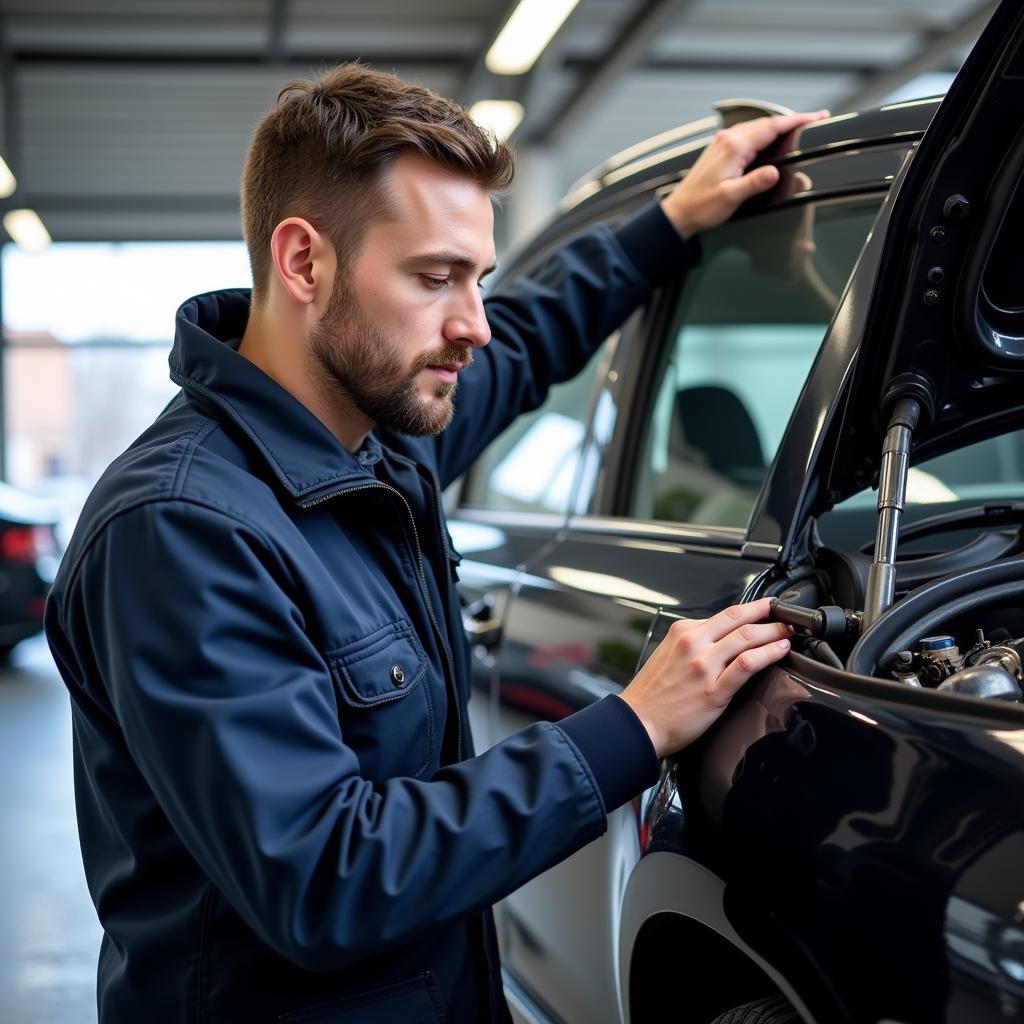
(829, 411)
(29, 553)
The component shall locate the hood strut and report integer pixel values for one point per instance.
(909, 396)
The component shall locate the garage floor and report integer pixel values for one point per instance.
(49, 935)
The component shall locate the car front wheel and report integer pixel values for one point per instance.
(763, 1011)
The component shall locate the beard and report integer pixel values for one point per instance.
(363, 367)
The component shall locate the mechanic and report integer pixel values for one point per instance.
(281, 814)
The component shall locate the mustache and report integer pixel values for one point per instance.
(458, 357)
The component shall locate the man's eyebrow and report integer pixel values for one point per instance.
(453, 259)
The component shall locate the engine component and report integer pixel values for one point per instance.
(821, 650)
(903, 668)
(929, 609)
(981, 644)
(939, 658)
(989, 680)
(1003, 655)
(990, 672)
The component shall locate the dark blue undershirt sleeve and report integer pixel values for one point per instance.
(654, 246)
(616, 747)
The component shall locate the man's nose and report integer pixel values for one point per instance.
(468, 323)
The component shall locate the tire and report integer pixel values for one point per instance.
(772, 1010)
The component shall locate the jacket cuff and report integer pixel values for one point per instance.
(616, 747)
(654, 246)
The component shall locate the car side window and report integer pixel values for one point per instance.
(747, 325)
(532, 465)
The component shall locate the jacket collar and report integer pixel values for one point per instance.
(304, 455)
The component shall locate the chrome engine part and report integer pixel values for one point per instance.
(986, 670)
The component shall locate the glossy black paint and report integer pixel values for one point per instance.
(616, 585)
(947, 212)
(853, 831)
(895, 122)
(863, 168)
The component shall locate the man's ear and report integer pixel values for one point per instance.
(304, 260)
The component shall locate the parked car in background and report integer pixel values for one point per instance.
(29, 552)
(828, 411)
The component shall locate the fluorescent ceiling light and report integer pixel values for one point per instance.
(7, 182)
(526, 33)
(501, 117)
(27, 230)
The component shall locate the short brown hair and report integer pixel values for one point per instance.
(319, 152)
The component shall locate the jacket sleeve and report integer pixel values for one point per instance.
(229, 712)
(546, 326)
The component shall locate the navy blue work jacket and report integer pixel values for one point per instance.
(282, 818)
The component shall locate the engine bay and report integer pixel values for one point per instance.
(949, 620)
(984, 661)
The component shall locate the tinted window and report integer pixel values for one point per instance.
(747, 326)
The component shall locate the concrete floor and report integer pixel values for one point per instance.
(49, 935)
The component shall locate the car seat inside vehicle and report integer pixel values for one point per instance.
(715, 463)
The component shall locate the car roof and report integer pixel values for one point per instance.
(665, 158)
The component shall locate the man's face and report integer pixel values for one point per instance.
(405, 316)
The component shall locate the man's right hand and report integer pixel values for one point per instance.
(697, 669)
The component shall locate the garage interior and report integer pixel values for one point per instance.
(124, 124)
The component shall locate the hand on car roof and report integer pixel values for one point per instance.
(719, 181)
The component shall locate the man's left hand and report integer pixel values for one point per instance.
(717, 183)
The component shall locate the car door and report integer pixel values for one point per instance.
(657, 530)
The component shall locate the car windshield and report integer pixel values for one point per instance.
(988, 471)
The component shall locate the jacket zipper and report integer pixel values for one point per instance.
(453, 696)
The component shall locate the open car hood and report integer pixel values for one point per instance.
(946, 307)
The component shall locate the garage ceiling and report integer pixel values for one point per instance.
(128, 119)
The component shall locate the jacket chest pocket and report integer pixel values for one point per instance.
(385, 708)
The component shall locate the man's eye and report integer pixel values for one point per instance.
(435, 284)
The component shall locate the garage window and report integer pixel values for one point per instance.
(87, 332)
